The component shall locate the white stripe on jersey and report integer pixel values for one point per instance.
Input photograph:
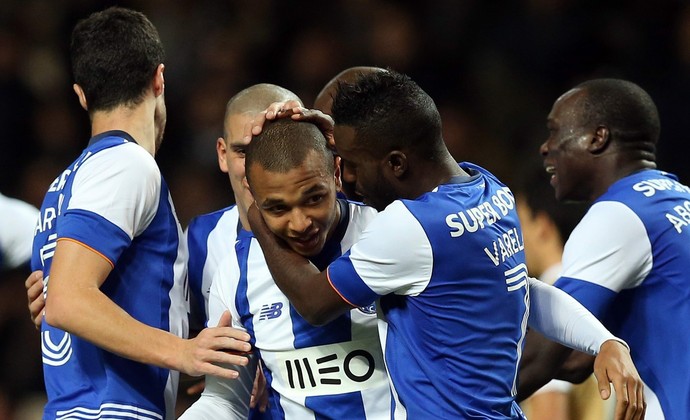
(110, 411)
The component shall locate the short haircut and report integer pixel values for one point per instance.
(389, 111)
(284, 144)
(114, 56)
(624, 107)
(255, 99)
(324, 100)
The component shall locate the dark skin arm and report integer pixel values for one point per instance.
(308, 289)
(541, 360)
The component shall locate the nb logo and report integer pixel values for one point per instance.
(357, 366)
(368, 310)
(271, 311)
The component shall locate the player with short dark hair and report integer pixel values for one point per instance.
(443, 259)
(111, 248)
(627, 260)
(330, 371)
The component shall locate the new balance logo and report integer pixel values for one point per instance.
(271, 311)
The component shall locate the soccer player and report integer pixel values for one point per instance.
(111, 248)
(333, 371)
(444, 259)
(628, 259)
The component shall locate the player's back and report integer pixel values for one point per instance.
(469, 319)
(657, 206)
(113, 200)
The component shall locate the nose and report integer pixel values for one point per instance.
(543, 149)
(300, 222)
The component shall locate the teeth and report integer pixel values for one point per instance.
(550, 169)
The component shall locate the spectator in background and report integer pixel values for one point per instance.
(546, 225)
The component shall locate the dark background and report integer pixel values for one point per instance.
(493, 67)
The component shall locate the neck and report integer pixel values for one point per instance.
(616, 169)
(138, 122)
(433, 174)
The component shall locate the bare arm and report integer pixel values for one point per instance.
(308, 289)
(76, 304)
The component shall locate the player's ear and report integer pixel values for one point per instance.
(600, 140)
(336, 174)
(159, 81)
(81, 96)
(396, 161)
(222, 152)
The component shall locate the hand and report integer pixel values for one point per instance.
(297, 112)
(34, 294)
(614, 365)
(223, 344)
(259, 391)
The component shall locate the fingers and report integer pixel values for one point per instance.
(225, 319)
(197, 388)
(36, 301)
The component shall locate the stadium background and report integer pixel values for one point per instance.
(493, 67)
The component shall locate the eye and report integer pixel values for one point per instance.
(275, 210)
(316, 199)
(239, 151)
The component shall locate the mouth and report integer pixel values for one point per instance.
(306, 241)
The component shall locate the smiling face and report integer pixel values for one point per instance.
(565, 151)
(299, 206)
(364, 170)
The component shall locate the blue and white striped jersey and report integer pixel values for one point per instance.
(210, 238)
(113, 200)
(449, 271)
(332, 371)
(628, 262)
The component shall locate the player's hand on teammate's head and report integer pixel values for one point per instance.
(297, 112)
(34, 294)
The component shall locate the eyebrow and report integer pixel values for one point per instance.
(274, 201)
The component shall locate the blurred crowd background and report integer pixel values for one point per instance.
(493, 67)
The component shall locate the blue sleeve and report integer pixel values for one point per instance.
(594, 297)
(94, 231)
(348, 284)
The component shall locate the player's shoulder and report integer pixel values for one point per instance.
(126, 159)
(205, 220)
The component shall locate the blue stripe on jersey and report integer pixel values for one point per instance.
(343, 406)
(594, 297)
(80, 226)
(241, 301)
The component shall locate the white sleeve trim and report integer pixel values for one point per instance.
(609, 247)
(122, 184)
(561, 318)
(394, 254)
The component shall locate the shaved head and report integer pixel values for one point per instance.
(257, 98)
(324, 100)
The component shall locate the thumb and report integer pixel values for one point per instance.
(225, 319)
(603, 384)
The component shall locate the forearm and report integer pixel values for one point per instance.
(563, 319)
(91, 315)
(304, 285)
